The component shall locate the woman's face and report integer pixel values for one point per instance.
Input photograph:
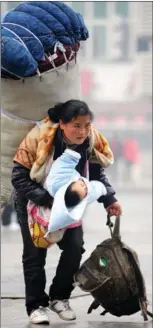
(77, 130)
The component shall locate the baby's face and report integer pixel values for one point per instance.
(81, 188)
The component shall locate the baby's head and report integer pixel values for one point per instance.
(76, 192)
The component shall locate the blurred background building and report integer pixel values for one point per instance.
(116, 75)
(116, 72)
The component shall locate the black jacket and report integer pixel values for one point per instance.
(27, 189)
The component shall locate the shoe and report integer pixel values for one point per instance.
(39, 316)
(63, 309)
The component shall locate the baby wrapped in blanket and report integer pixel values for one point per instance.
(71, 193)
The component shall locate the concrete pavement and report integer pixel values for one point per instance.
(13, 316)
(136, 231)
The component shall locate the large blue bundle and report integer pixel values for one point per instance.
(34, 25)
(30, 40)
(13, 53)
(41, 26)
(56, 28)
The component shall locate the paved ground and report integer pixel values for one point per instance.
(13, 316)
(136, 230)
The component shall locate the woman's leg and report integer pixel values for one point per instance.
(72, 247)
(33, 267)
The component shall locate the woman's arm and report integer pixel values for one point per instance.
(96, 172)
(30, 189)
(103, 155)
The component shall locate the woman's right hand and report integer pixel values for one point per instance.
(114, 209)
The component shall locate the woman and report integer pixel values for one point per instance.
(68, 126)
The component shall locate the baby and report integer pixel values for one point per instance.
(71, 193)
(76, 192)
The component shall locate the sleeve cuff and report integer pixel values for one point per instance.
(107, 200)
(73, 153)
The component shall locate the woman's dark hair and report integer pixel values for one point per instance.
(69, 110)
(71, 197)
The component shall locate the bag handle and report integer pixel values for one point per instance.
(115, 233)
(109, 223)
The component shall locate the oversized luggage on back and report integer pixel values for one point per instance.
(26, 103)
(113, 277)
(39, 68)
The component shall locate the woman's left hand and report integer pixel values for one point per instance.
(114, 209)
